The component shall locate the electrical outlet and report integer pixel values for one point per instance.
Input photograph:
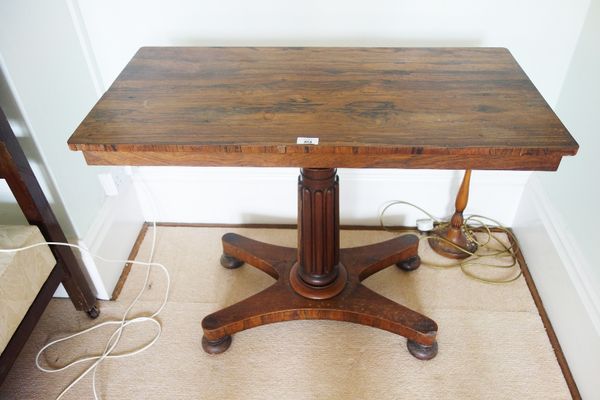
(120, 178)
(113, 182)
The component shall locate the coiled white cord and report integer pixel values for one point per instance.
(116, 336)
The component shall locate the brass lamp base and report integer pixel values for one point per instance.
(445, 249)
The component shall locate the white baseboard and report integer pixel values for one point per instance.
(269, 195)
(112, 236)
(561, 274)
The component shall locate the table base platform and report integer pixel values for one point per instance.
(354, 303)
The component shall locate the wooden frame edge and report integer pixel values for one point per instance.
(15, 345)
(132, 255)
(560, 356)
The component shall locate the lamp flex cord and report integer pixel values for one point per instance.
(472, 225)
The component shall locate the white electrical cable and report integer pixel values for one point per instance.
(115, 337)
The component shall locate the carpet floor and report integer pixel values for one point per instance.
(492, 342)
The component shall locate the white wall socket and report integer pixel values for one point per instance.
(114, 181)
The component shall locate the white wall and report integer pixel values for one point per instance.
(541, 34)
(575, 189)
(49, 80)
(254, 195)
(557, 220)
(47, 85)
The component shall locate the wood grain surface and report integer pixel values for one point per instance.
(356, 303)
(370, 107)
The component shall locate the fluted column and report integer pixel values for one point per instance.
(318, 267)
(318, 225)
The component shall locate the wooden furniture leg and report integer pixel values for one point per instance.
(19, 176)
(30, 197)
(319, 280)
(454, 232)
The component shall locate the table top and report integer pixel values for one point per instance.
(454, 108)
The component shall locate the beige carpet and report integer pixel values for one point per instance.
(492, 343)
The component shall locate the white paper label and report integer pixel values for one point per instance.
(307, 140)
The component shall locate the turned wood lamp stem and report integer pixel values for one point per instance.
(460, 204)
(454, 232)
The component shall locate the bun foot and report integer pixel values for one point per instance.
(410, 264)
(420, 351)
(93, 312)
(230, 262)
(216, 346)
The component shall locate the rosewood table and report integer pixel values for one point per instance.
(320, 109)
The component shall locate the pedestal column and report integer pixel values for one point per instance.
(318, 274)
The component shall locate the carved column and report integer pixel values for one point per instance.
(318, 273)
